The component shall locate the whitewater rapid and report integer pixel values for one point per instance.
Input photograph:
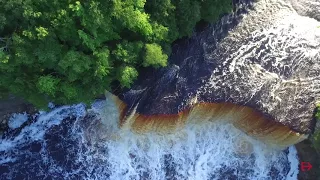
(72, 143)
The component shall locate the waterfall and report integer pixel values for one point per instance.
(70, 143)
(232, 101)
(259, 71)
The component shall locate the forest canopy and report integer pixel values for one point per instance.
(68, 51)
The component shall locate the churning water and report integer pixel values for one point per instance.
(277, 41)
(68, 143)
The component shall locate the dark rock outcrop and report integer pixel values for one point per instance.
(307, 153)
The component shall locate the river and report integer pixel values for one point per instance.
(279, 39)
(70, 143)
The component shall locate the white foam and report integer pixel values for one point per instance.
(4, 160)
(294, 164)
(17, 119)
(198, 151)
(45, 120)
(51, 105)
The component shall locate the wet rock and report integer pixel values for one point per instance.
(10, 106)
(307, 153)
(268, 61)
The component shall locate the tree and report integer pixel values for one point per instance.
(211, 10)
(71, 51)
(154, 56)
(126, 75)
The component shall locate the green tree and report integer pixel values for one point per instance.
(212, 9)
(128, 52)
(187, 15)
(126, 75)
(69, 51)
(154, 56)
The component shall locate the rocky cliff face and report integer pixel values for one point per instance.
(260, 70)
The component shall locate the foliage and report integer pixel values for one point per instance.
(316, 136)
(181, 16)
(317, 115)
(212, 9)
(154, 56)
(126, 75)
(69, 51)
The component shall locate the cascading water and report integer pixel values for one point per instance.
(68, 143)
(276, 44)
(259, 71)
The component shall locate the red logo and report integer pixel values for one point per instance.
(305, 166)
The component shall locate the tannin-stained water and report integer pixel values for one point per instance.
(68, 143)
